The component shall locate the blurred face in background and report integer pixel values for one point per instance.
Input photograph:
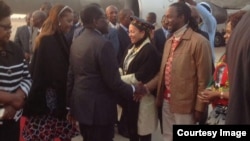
(101, 24)
(228, 32)
(66, 21)
(151, 18)
(34, 20)
(164, 22)
(5, 30)
(135, 34)
(195, 15)
(27, 18)
(112, 13)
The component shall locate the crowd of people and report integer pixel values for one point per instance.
(67, 72)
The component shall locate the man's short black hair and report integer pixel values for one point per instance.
(89, 13)
(5, 10)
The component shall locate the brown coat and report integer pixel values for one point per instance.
(191, 72)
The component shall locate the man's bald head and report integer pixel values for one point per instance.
(37, 18)
(112, 13)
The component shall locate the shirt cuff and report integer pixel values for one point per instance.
(133, 87)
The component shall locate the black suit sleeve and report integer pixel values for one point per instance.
(109, 69)
(70, 84)
(17, 39)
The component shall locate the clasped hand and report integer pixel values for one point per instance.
(207, 95)
(140, 91)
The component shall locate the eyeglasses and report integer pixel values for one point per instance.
(6, 27)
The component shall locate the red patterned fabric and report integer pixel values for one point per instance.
(47, 128)
(169, 68)
(22, 123)
(222, 80)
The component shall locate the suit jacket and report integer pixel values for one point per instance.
(124, 42)
(22, 38)
(70, 35)
(159, 39)
(94, 81)
(77, 32)
(34, 34)
(193, 54)
(49, 69)
(112, 36)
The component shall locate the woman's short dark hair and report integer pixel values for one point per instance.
(235, 18)
(5, 10)
(89, 13)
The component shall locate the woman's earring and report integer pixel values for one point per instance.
(59, 24)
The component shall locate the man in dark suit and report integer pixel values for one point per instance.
(112, 36)
(37, 19)
(45, 7)
(23, 36)
(111, 14)
(161, 35)
(76, 24)
(124, 41)
(94, 82)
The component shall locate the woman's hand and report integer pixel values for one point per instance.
(208, 95)
(9, 112)
(72, 120)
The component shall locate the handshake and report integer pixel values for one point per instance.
(140, 91)
(140, 88)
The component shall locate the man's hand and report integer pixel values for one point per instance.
(16, 100)
(27, 56)
(197, 116)
(208, 95)
(72, 120)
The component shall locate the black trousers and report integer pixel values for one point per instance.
(123, 123)
(137, 137)
(133, 110)
(9, 130)
(97, 132)
(160, 118)
(204, 117)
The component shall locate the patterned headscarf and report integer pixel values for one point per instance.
(141, 24)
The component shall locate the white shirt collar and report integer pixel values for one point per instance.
(125, 28)
(112, 25)
(99, 32)
(165, 32)
(180, 32)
